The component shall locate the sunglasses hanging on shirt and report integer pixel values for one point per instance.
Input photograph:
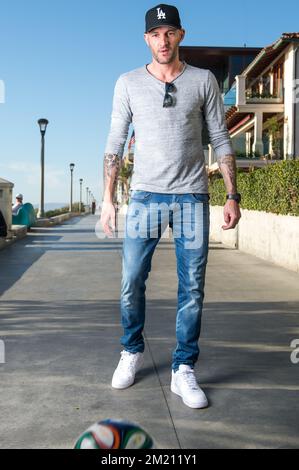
(168, 99)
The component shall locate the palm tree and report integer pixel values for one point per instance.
(125, 176)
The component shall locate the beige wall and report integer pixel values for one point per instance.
(6, 201)
(269, 236)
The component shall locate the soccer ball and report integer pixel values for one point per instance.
(112, 434)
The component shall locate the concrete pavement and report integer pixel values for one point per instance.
(59, 314)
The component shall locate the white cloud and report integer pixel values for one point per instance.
(26, 179)
(54, 177)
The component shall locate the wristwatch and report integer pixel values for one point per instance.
(235, 197)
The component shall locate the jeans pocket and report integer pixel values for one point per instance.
(200, 197)
(138, 195)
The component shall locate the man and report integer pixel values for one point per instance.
(93, 207)
(18, 204)
(166, 101)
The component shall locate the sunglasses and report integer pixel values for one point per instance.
(168, 99)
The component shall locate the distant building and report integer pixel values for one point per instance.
(267, 88)
(224, 62)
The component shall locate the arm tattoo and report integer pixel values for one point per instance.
(111, 164)
(227, 165)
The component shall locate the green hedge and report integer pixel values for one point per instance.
(274, 188)
(64, 210)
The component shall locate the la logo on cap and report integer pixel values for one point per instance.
(161, 15)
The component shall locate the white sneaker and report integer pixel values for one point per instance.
(124, 374)
(184, 384)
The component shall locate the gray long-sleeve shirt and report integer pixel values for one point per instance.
(168, 155)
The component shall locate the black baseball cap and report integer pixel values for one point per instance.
(162, 15)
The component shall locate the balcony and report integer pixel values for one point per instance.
(264, 97)
(258, 93)
(240, 95)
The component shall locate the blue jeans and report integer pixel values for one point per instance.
(188, 215)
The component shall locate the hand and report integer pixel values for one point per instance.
(232, 214)
(108, 215)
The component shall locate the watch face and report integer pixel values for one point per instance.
(235, 197)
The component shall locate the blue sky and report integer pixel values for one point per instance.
(60, 60)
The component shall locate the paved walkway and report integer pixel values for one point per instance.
(59, 315)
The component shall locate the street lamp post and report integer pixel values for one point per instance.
(90, 201)
(87, 202)
(72, 166)
(43, 126)
(80, 204)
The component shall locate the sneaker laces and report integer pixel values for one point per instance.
(128, 361)
(190, 379)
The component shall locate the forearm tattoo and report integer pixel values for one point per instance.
(111, 164)
(227, 165)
